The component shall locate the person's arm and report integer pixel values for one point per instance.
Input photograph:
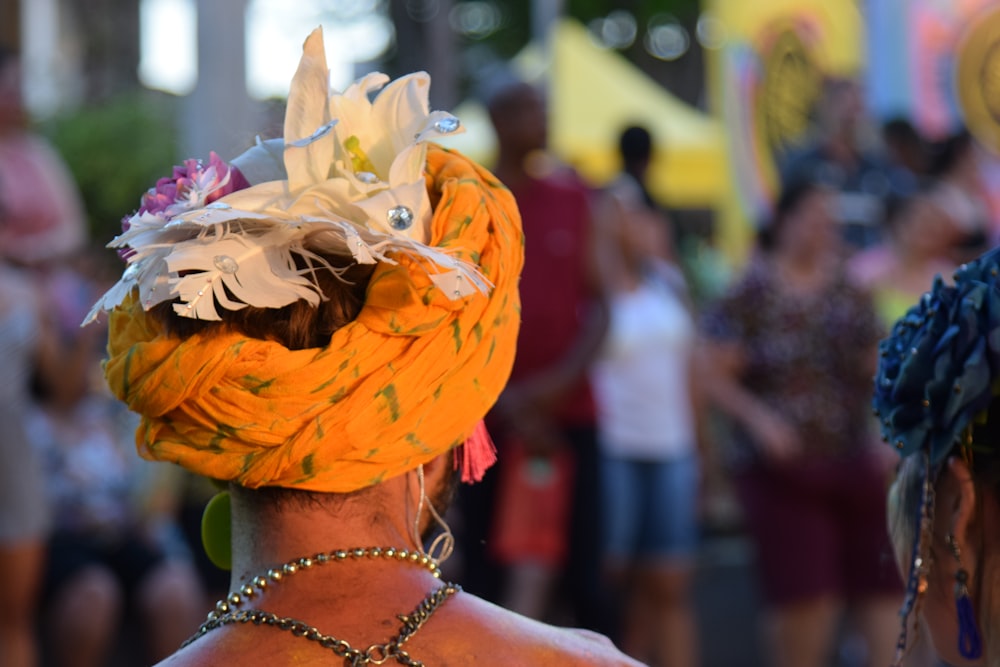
(723, 388)
(527, 406)
(698, 368)
(66, 356)
(63, 367)
(606, 269)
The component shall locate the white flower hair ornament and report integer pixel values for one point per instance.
(346, 179)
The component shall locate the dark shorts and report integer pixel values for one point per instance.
(650, 508)
(131, 560)
(819, 528)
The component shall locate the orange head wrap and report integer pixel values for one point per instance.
(408, 380)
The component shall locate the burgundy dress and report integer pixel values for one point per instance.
(817, 520)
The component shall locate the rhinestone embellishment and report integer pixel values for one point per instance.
(399, 217)
(319, 133)
(226, 264)
(367, 177)
(449, 124)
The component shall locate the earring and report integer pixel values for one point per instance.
(444, 543)
(970, 644)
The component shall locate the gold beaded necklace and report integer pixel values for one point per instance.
(227, 611)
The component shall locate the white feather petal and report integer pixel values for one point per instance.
(256, 270)
(307, 113)
(267, 197)
(411, 195)
(262, 162)
(111, 299)
(401, 109)
(455, 284)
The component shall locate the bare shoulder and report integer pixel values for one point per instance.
(195, 655)
(225, 648)
(482, 633)
(466, 631)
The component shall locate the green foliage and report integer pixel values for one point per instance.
(586, 10)
(116, 151)
(515, 31)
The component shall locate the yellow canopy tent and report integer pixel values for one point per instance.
(594, 94)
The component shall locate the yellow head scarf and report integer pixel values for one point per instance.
(408, 380)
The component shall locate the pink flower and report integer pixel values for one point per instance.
(192, 185)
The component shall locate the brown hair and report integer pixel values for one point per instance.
(297, 326)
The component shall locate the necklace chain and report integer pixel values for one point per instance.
(227, 611)
(376, 654)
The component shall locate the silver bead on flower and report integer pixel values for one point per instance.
(226, 264)
(367, 177)
(399, 218)
(449, 124)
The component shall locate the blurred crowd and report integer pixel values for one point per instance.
(656, 387)
(646, 390)
(91, 543)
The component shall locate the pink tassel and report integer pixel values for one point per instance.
(477, 455)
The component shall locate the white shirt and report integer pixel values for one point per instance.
(640, 379)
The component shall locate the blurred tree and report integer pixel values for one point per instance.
(425, 41)
(476, 36)
(116, 151)
(108, 31)
(683, 73)
(643, 10)
(10, 22)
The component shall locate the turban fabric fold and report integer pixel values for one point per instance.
(408, 380)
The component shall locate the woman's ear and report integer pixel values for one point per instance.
(438, 467)
(957, 500)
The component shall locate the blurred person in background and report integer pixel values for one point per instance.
(915, 250)
(40, 217)
(905, 149)
(897, 272)
(960, 192)
(793, 349)
(839, 157)
(547, 406)
(115, 546)
(23, 507)
(646, 393)
(71, 424)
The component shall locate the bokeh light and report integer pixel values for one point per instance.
(666, 38)
(475, 20)
(617, 30)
